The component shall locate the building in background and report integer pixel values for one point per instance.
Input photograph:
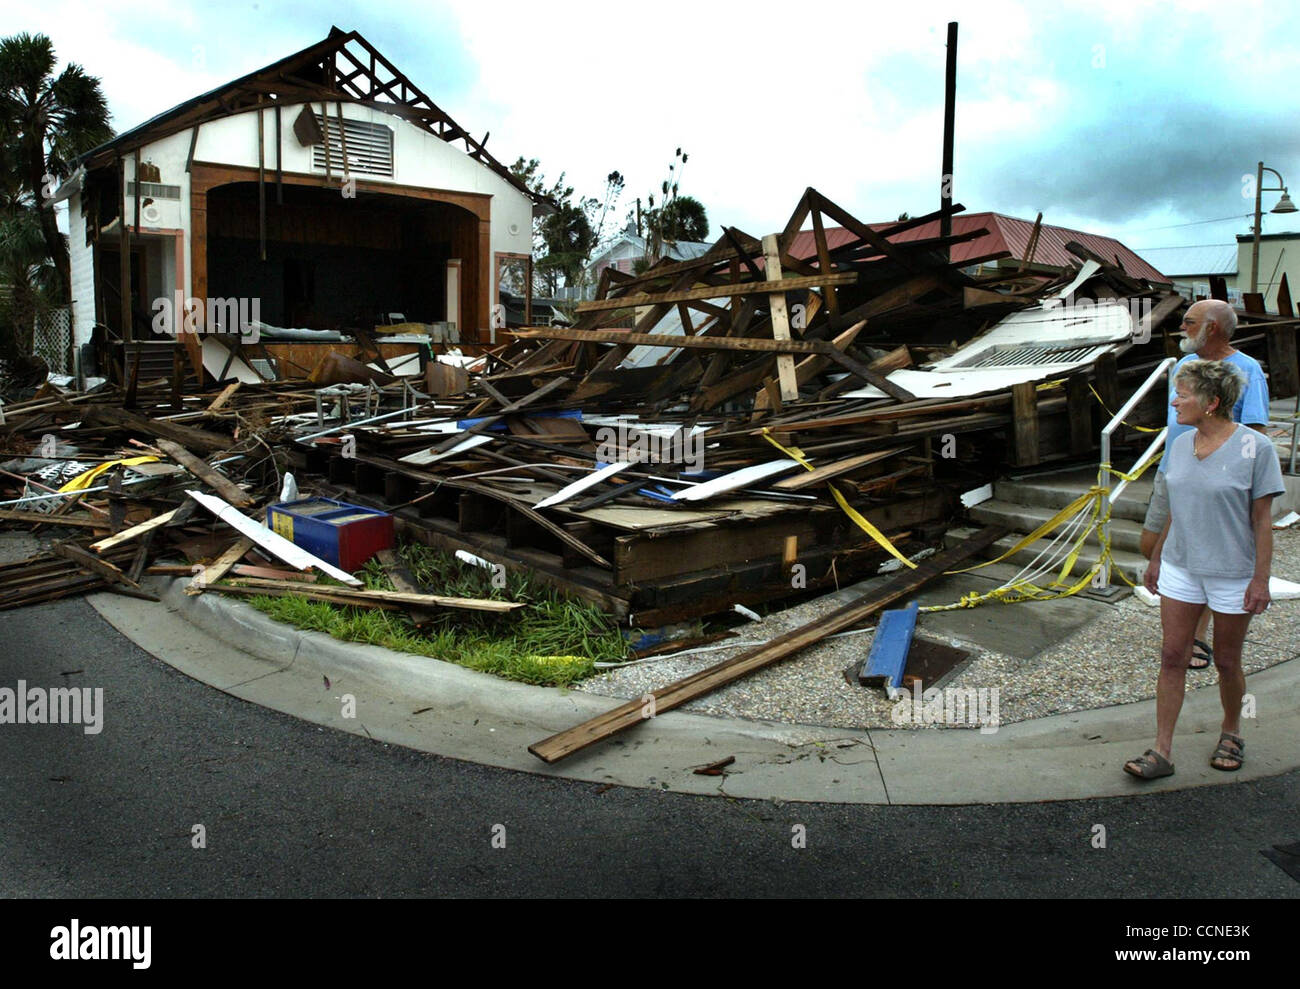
(1279, 254)
(1191, 268)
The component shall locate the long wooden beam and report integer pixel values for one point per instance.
(721, 291)
(751, 344)
(697, 685)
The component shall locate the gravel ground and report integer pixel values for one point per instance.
(1113, 660)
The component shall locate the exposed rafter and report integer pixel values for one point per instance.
(344, 67)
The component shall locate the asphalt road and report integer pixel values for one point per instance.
(291, 809)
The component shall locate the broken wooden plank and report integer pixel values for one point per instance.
(188, 436)
(674, 695)
(100, 568)
(403, 580)
(136, 531)
(226, 395)
(363, 597)
(720, 291)
(822, 474)
(209, 475)
(205, 575)
(17, 515)
(780, 321)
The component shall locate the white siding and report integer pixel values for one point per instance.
(419, 159)
(82, 274)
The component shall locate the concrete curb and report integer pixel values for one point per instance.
(441, 708)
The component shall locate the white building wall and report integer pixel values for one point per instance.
(82, 271)
(1276, 258)
(419, 159)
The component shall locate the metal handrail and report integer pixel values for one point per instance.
(1103, 476)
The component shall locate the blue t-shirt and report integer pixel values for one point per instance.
(1251, 408)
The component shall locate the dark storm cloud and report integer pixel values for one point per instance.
(1190, 158)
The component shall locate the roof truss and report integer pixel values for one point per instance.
(344, 67)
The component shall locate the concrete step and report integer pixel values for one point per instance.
(1132, 564)
(1056, 489)
(1124, 533)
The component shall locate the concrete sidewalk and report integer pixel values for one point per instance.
(445, 709)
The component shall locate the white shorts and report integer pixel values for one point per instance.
(1224, 594)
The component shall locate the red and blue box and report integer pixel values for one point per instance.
(342, 534)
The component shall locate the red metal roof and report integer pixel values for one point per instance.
(1005, 233)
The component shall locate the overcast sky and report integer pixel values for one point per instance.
(1133, 119)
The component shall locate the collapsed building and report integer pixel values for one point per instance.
(777, 415)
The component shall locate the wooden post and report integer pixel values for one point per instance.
(780, 321)
(1024, 405)
(824, 262)
(1079, 404)
(1107, 383)
(1283, 372)
(1283, 367)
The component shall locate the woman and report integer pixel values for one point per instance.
(1216, 547)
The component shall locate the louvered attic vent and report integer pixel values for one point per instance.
(1030, 354)
(370, 147)
(155, 189)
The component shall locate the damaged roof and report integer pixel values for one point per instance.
(343, 67)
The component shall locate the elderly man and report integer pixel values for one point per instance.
(1207, 329)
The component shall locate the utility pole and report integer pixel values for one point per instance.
(949, 110)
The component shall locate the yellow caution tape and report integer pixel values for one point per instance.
(85, 480)
(1140, 429)
(1020, 590)
(796, 454)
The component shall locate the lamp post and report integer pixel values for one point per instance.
(1284, 205)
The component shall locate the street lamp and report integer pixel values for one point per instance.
(1284, 205)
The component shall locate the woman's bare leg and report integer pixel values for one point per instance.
(1178, 622)
(1229, 635)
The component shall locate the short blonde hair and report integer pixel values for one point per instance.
(1208, 380)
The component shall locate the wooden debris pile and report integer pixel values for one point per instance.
(121, 480)
(743, 425)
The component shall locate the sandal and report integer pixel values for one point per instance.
(1202, 655)
(1225, 754)
(1151, 765)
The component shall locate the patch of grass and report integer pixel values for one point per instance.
(552, 640)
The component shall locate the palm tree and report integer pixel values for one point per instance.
(50, 120)
(27, 277)
(684, 218)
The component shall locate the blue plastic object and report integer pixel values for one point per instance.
(888, 656)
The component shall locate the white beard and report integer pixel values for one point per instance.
(1190, 345)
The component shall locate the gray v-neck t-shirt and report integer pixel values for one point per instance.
(1210, 501)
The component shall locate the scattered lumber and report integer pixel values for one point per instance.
(565, 743)
(378, 598)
